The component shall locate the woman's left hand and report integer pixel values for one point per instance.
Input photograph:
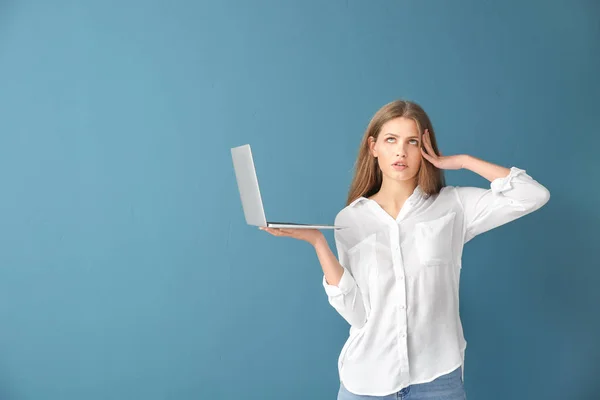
(441, 162)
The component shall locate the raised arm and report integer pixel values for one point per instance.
(512, 193)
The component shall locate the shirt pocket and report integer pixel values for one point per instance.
(434, 240)
(363, 265)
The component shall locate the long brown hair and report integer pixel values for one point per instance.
(367, 174)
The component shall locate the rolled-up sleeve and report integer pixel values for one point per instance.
(346, 296)
(507, 199)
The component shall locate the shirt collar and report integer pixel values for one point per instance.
(416, 195)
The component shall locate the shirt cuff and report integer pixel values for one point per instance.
(500, 185)
(343, 287)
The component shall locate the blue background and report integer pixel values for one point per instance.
(126, 268)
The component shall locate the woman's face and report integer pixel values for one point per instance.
(398, 149)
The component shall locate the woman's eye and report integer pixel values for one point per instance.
(392, 140)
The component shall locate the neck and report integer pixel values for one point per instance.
(395, 193)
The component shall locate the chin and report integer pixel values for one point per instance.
(402, 176)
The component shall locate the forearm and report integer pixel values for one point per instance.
(329, 263)
(342, 291)
(484, 168)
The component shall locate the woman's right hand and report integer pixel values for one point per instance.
(329, 263)
(311, 236)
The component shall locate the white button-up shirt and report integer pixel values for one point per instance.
(399, 289)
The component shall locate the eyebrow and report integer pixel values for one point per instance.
(408, 137)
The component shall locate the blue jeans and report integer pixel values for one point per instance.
(446, 387)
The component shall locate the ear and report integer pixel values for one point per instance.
(372, 146)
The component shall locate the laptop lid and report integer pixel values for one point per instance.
(245, 175)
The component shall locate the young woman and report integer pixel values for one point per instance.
(397, 279)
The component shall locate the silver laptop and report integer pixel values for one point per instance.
(245, 174)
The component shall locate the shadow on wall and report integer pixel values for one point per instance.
(7, 389)
(6, 386)
(546, 325)
(568, 295)
(5, 7)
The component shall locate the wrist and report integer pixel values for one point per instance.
(465, 161)
(319, 241)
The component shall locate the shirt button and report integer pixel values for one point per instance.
(402, 307)
(401, 278)
(404, 335)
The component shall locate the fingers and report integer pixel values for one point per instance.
(427, 143)
(432, 160)
(426, 156)
(276, 231)
(424, 141)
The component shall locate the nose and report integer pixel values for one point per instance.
(401, 151)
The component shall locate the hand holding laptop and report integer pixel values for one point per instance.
(311, 236)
